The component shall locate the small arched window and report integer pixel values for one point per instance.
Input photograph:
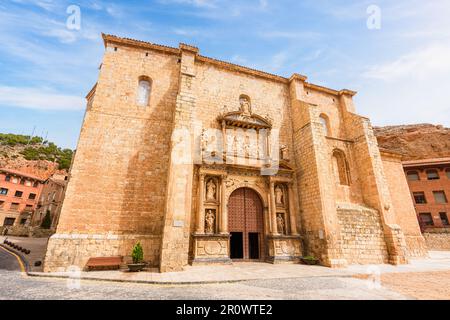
(340, 168)
(144, 90)
(325, 122)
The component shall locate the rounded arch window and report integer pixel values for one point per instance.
(325, 122)
(340, 168)
(144, 91)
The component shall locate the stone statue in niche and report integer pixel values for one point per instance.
(280, 223)
(210, 220)
(284, 153)
(245, 107)
(279, 196)
(211, 190)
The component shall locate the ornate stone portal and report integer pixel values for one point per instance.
(243, 163)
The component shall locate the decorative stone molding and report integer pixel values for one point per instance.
(211, 249)
(284, 248)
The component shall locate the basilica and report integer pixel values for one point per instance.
(207, 162)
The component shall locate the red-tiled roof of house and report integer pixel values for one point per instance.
(22, 174)
(423, 162)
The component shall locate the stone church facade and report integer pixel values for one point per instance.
(204, 161)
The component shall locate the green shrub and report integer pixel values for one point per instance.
(138, 253)
(47, 222)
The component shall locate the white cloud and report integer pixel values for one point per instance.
(239, 59)
(185, 32)
(40, 99)
(195, 3)
(278, 61)
(294, 35)
(263, 4)
(424, 63)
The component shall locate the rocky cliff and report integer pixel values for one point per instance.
(421, 141)
(33, 156)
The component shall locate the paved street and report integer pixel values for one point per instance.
(15, 286)
(8, 261)
(403, 282)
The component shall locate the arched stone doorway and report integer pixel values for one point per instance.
(246, 225)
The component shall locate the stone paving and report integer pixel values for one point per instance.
(256, 281)
(258, 271)
(211, 274)
(437, 261)
(15, 286)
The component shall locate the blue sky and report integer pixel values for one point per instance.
(401, 71)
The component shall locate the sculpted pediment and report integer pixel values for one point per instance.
(238, 119)
(244, 117)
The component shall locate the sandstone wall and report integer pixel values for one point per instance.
(128, 184)
(403, 207)
(362, 235)
(119, 174)
(219, 88)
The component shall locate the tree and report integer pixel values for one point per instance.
(47, 222)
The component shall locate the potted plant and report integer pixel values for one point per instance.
(138, 258)
(310, 260)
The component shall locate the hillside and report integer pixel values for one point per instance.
(421, 141)
(33, 155)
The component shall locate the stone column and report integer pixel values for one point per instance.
(223, 207)
(273, 209)
(224, 141)
(201, 209)
(269, 147)
(292, 220)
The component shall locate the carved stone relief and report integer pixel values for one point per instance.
(279, 196)
(210, 221)
(245, 106)
(211, 190)
(281, 225)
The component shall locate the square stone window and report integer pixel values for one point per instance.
(444, 218)
(419, 198)
(8, 222)
(413, 176)
(439, 197)
(432, 175)
(426, 219)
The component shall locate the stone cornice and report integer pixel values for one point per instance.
(237, 68)
(139, 44)
(221, 64)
